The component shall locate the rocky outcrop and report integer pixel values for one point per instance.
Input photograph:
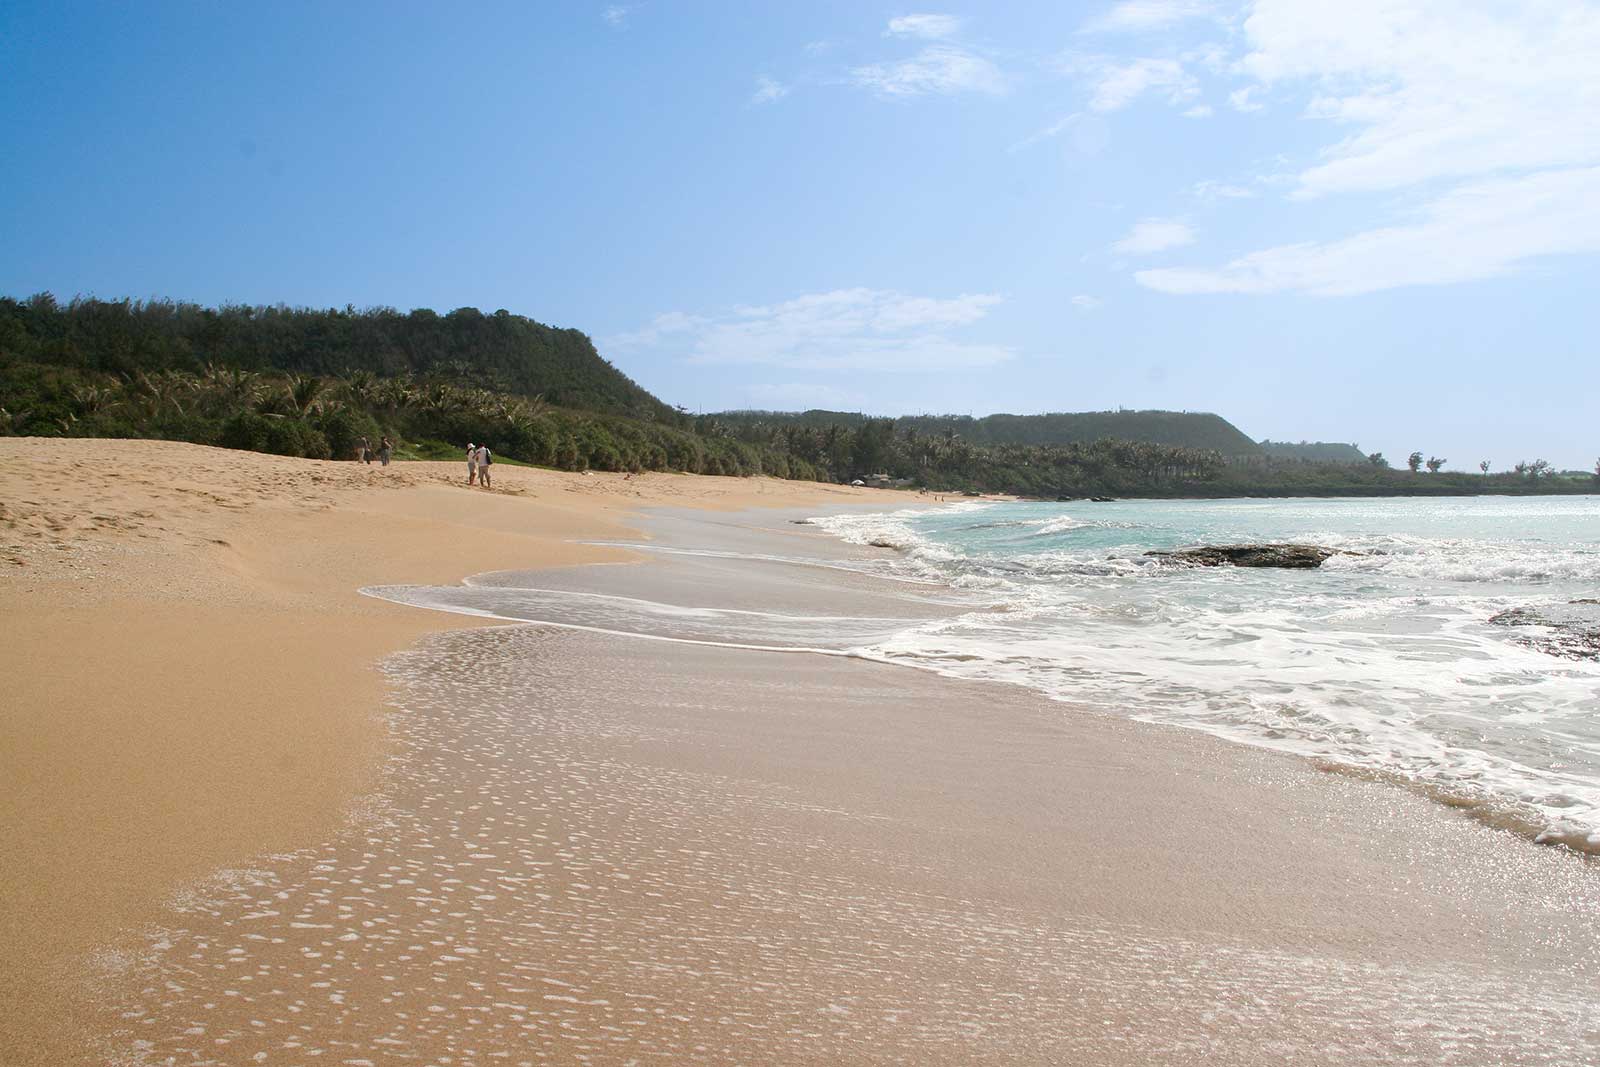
(1268, 555)
(1570, 630)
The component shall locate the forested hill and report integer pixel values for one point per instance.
(1177, 429)
(500, 351)
(1315, 451)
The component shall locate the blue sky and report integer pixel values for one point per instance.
(1367, 221)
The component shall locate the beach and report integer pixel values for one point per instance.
(191, 669)
(607, 836)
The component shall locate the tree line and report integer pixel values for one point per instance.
(314, 383)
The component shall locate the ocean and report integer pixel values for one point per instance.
(1383, 661)
(1395, 659)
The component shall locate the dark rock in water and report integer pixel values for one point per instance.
(880, 543)
(1570, 630)
(1103, 499)
(1295, 556)
(802, 522)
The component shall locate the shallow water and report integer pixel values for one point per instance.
(575, 858)
(1384, 660)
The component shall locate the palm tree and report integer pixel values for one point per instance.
(1483, 465)
(231, 389)
(304, 393)
(361, 389)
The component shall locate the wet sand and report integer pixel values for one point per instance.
(602, 850)
(189, 667)
(598, 849)
(591, 848)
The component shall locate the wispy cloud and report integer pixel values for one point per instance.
(616, 16)
(768, 90)
(1246, 99)
(927, 27)
(659, 329)
(1214, 190)
(865, 329)
(1114, 84)
(799, 396)
(1480, 230)
(1435, 88)
(1154, 235)
(1480, 120)
(1048, 132)
(1132, 16)
(938, 69)
(1085, 302)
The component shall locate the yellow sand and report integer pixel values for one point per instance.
(188, 666)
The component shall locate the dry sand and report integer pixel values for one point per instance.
(591, 848)
(189, 669)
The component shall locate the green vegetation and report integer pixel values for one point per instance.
(312, 383)
(502, 353)
(1317, 452)
(1177, 429)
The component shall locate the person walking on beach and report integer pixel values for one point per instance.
(472, 463)
(384, 448)
(363, 450)
(484, 459)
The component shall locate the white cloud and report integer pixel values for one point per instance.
(927, 27)
(846, 329)
(1114, 85)
(1136, 15)
(800, 396)
(1199, 111)
(1213, 190)
(1245, 99)
(1154, 235)
(1085, 302)
(941, 69)
(1049, 131)
(673, 322)
(1480, 230)
(768, 90)
(1484, 118)
(616, 15)
(1431, 89)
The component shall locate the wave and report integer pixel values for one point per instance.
(1382, 662)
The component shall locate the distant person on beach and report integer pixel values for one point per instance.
(363, 450)
(384, 448)
(484, 459)
(472, 463)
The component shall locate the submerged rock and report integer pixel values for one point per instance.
(1276, 555)
(1570, 630)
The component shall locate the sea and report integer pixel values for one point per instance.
(1440, 648)
(1396, 658)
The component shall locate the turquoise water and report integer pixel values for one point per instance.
(1384, 661)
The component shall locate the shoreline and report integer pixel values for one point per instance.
(1081, 855)
(1490, 811)
(197, 680)
(620, 849)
